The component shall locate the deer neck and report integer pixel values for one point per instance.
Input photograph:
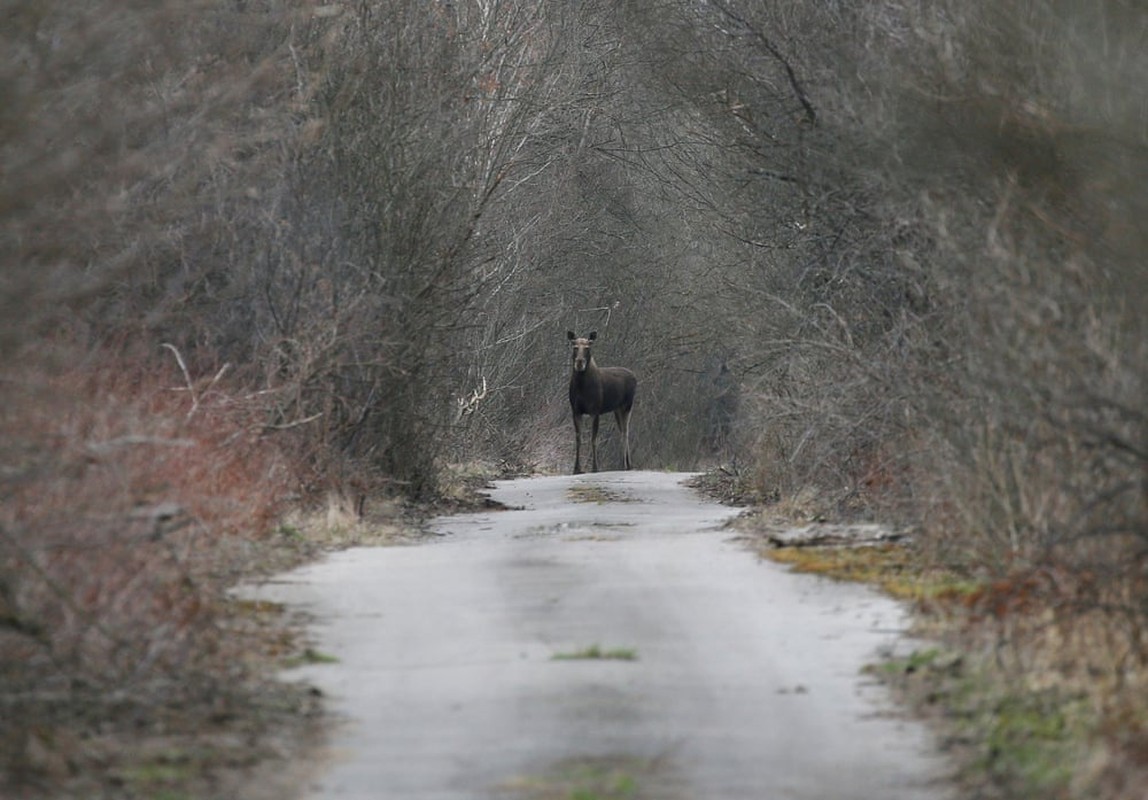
(588, 375)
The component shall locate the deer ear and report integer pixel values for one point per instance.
(570, 335)
(593, 335)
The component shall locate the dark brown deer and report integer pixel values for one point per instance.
(595, 391)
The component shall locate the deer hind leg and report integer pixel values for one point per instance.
(594, 443)
(622, 415)
(577, 443)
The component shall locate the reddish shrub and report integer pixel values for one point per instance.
(125, 487)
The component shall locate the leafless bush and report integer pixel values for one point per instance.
(125, 491)
(133, 134)
(125, 124)
(1039, 264)
(1012, 127)
(946, 244)
(366, 309)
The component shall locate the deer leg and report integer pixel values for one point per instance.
(594, 443)
(623, 417)
(577, 443)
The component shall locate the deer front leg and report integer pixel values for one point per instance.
(577, 443)
(594, 443)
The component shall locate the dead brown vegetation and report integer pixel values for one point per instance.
(129, 505)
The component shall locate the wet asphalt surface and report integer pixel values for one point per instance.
(608, 638)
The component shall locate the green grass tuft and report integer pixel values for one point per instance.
(596, 653)
(309, 656)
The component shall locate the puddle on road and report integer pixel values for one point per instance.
(593, 537)
(577, 531)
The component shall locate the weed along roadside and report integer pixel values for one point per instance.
(1018, 702)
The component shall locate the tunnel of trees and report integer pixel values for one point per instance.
(881, 259)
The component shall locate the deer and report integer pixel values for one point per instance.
(595, 391)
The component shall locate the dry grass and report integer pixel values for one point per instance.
(892, 568)
(600, 495)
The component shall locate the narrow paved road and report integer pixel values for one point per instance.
(466, 667)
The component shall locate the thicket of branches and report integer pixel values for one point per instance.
(880, 259)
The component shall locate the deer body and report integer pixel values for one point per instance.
(595, 391)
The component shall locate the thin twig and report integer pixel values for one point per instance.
(791, 75)
(123, 441)
(186, 378)
(295, 424)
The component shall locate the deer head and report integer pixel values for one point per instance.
(581, 349)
